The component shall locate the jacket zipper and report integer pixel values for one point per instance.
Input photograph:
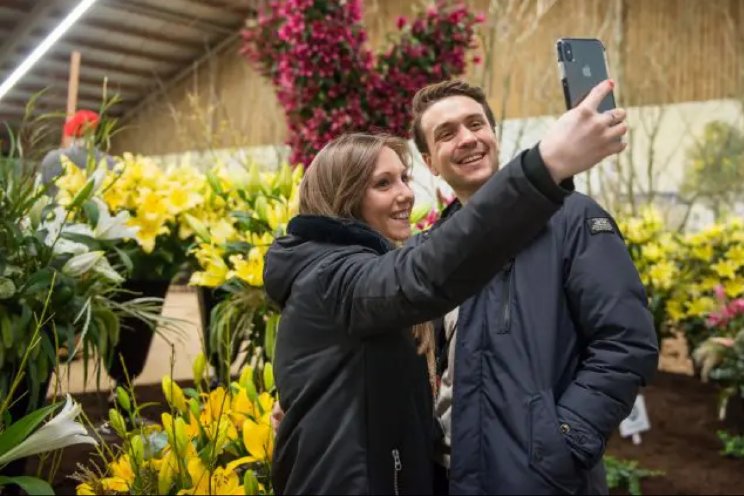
(397, 467)
(506, 305)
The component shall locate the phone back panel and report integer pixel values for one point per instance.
(583, 65)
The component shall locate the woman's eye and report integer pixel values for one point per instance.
(382, 183)
(406, 178)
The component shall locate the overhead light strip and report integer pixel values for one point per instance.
(44, 46)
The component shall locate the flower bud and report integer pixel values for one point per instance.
(117, 423)
(123, 399)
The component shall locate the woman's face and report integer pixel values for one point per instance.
(388, 201)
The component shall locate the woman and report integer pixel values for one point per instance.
(351, 375)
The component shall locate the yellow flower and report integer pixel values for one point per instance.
(725, 268)
(251, 270)
(149, 229)
(85, 489)
(674, 310)
(222, 231)
(71, 182)
(736, 255)
(652, 251)
(702, 252)
(662, 274)
(734, 288)
(215, 269)
(221, 481)
(707, 284)
(258, 439)
(122, 476)
(700, 307)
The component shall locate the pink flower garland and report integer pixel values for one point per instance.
(329, 82)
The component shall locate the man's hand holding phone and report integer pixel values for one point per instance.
(583, 136)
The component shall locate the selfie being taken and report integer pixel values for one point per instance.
(371, 247)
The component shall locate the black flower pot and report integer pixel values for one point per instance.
(135, 336)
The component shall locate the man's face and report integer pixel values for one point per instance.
(462, 144)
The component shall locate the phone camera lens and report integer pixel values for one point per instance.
(568, 52)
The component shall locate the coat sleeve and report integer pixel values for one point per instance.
(609, 305)
(367, 293)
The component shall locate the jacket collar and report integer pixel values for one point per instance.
(337, 231)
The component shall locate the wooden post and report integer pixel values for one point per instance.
(72, 92)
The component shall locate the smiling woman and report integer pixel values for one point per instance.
(353, 378)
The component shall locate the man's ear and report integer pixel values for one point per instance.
(429, 165)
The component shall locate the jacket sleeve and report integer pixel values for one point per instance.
(609, 306)
(367, 292)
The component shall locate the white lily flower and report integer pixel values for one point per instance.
(104, 268)
(80, 264)
(62, 431)
(54, 226)
(65, 246)
(109, 227)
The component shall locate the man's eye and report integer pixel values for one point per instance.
(476, 125)
(444, 136)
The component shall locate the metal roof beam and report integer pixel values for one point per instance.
(35, 19)
(167, 15)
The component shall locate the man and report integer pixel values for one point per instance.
(549, 357)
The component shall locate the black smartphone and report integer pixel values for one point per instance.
(583, 65)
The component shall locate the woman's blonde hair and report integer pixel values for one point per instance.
(335, 184)
(338, 176)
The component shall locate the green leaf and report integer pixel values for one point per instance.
(31, 485)
(91, 212)
(20, 430)
(41, 279)
(82, 195)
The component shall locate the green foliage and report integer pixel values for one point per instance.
(625, 474)
(715, 167)
(733, 445)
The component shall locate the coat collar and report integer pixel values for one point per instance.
(338, 231)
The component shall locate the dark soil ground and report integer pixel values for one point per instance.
(682, 441)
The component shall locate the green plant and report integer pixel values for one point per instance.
(733, 445)
(625, 474)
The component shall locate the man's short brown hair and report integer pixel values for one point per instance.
(429, 95)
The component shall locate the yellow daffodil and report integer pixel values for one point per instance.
(703, 252)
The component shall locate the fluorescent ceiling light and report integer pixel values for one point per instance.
(44, 46)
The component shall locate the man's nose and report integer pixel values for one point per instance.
(467, 138)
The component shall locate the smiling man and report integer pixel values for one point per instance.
(542, 364)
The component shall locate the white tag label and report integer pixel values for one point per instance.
(637, 421)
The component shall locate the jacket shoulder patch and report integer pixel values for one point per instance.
(599, 225)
